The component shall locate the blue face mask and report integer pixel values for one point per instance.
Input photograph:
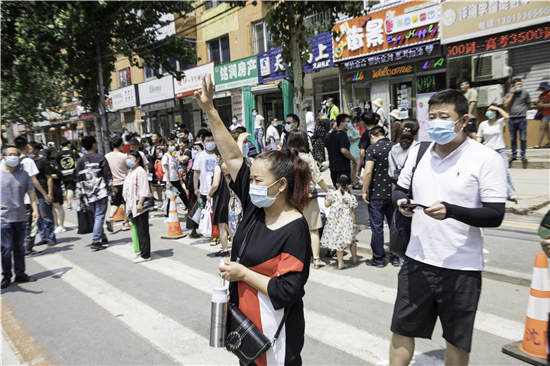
(491, 114)
(288, 128)
(130, 163)
(210, 145)
(172, 149)
(442, 131)
(259, 197)
(12, 161)
(349, 126)
(518, 90)
(30, 156)
(245, 150)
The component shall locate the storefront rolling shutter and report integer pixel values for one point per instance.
(532, 65)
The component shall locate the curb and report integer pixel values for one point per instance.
(526, 211)
(502, 275)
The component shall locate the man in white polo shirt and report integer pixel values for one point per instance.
(464, 185)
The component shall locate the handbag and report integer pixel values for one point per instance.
(149, 202)
(244, 339)
(205, 224)
(400, 230)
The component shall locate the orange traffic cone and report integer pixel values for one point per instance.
(533, 348)
(119, 216)
(174, 228)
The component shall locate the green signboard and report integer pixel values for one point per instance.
(236, 74)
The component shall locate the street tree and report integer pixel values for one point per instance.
(81, 40)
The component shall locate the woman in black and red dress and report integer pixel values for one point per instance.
(275, 265)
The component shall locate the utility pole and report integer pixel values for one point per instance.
(104, 135)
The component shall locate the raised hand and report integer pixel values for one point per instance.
(205, 98)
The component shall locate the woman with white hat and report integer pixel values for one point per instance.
(396, 126)
(378, 103)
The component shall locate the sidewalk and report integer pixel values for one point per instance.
(536, 159)
(532, 188)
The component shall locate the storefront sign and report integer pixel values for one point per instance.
(392, 57)
(124, 97)
(470, 19)
(432, 64)
(192, 80)
(381, 73)
(156, 90)
(321, 55)
(165, 104)
(500, 41)
(236, 74)
(271, 65)
(395, 26)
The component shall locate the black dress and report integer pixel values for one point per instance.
(282, 254)
(318, 142)
(220, 202)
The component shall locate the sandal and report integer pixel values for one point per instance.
(343, 267)
(536, 147)
(317, 263)
(354, 261)
(546, 146)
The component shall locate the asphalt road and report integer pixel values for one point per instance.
(98, 308)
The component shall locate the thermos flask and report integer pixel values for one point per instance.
(218, 317)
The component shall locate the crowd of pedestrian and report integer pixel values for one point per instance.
(265, 195)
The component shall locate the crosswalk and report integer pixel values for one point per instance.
(188, 346)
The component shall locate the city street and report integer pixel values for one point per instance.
(98, 308)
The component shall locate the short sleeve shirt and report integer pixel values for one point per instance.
(172, 163)
(470, 175)
(205, 163)
(29, 166)
(518, 106)
(380, 187)
(258, 121)
(338, 140)
(14, 186)
(67, 161)
(43, 171)
(493, 135)
(471, 96)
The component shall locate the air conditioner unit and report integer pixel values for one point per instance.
(489, 94)
(490, 66)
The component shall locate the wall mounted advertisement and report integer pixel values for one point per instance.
(156, 90)
(192, 81)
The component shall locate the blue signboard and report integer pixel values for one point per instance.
(271, 65)
(321, 56)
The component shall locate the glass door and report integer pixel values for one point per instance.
(402, 98)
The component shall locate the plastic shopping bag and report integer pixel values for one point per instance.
(135, 237)
(196, 212)
(205, 224)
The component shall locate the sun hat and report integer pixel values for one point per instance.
(396, 114)
(378, 102)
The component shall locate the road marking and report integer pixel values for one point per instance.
(167, 335)
(485, 322)
(521, 225)
(347, 338)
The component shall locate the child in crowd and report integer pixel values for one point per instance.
(339, 231)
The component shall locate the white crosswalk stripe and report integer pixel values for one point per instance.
(170, 337)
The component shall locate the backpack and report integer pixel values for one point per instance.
(159, 170)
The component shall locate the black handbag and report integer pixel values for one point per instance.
(400, 229)
(244, 339)
(149, 202)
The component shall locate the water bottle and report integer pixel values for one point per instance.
(218, 317)
(34, 228)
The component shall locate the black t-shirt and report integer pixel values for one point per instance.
(364, 143)
(67, 161)
(337, 140)
(282, 254)
(183, 167)
(43, 166)
(380, 186)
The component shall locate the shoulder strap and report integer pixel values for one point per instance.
(424, 145)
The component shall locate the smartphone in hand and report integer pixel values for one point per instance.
(412, 206)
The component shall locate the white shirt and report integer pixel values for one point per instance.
(171, 161)
(382, 114)
(398, 156)
(205, 163)
(470, 175)
(493, 135)
(258, 121)
(29, 166)
(234, 126)
(310, 121)
(272, 132)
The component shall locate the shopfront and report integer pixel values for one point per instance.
(157, 102)
(124, 102)
(389, 54)
(490, 45)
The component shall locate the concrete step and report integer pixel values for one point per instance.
(536, 159)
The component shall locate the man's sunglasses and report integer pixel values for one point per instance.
(288, 123)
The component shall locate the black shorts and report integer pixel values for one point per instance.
(471, 126)
(70, 185)
(117, 199)
(425, 292)
(334, 176)
(156, 182)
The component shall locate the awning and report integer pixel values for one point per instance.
(266, 88)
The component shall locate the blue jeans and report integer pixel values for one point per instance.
(45, 222)
(13, 240)
(259, 136)
(511, 189)
(378, 209)
(99, 210)
(515, 125)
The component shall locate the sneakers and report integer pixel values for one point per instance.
(126, 226)
(140, 259)
(104, 241)
(373, 263)
(214, 242)
(24, 278)
(97, 246)
(166, 221)
(5, 282)
(52, 243)
(158, 204)
(41, 242)
(524, 159)
(396, 262)
(110, 223)
(32, 253)
(60, 229)
(221, 253)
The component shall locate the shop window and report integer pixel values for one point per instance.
(125, 77)
(219, 50)
(210, 4)
(430, 83)
(225, 110)
(261, 37)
